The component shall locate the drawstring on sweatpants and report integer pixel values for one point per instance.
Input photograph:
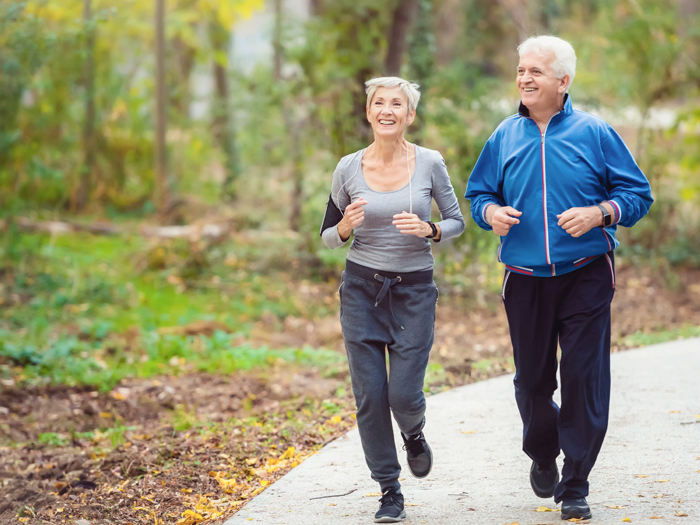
(387, 283)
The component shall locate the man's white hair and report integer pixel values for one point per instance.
(564, 55)
(409, 89)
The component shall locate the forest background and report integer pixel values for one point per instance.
(169, 342)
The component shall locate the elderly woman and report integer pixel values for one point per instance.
(383, 194)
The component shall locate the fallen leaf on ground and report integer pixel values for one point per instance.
(674, 412)
(411, 504)
(680, 513)
(627, 520)
(615, 506)
(662, 480)
(575, 520)
(332, 504)
(514, 523)
(545, 509)
(641, 475)
(659, 495)
(190, 517)
(656, 518)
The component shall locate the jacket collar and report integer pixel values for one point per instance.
(568, 107)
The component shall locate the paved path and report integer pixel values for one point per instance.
(480, 475)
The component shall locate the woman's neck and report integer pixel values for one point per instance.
(387, 150)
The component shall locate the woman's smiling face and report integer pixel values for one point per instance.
(388, 112)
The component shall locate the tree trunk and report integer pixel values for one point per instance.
(449, 23)
(421, 61)
(403, 16)
(517, 11)
(222, 127)
(88, 168)
(162, 189)
(277, 41)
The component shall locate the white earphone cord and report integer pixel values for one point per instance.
(410, 192)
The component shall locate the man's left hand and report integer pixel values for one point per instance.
(577, 221)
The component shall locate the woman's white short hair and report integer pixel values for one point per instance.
(564, 55)
(409, 89)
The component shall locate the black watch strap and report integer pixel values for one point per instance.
(434, 228)
(607, 218)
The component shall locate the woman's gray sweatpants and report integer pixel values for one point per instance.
(380, 312)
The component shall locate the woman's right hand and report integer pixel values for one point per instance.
(354, 215)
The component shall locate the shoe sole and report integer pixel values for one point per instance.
(389, 519)
(577, 515)
(540, 493)
(430, 450)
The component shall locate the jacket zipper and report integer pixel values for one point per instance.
(544, 192)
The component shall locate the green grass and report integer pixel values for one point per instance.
(73, 362)
(645, 339)
(79, 294)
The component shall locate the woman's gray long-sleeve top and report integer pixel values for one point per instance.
(378, 244)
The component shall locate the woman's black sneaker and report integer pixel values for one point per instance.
(391, 510)
(575, 508)
(418, 454)
(544, 479)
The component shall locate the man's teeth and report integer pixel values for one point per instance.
(530, 90)
(386, 122)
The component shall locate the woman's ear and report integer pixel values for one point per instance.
(411, 117)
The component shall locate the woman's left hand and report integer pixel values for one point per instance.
(410, 223)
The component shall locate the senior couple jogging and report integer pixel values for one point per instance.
(553, 182)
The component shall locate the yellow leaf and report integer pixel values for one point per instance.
(656, 518)
(332, 504)
(289, 453)
(106, 414)
(190, 517)
(681, 514)
(627, 520)
(467, 431)
(372, 494)
(575, 520)
(545, 509)
(641, 475)
(264, 482)
(615, 506)
(335, 420)
(186, 491)
(662, 480)
(674, 412)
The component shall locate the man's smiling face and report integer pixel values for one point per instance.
(539, 87)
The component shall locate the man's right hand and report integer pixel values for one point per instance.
(354, 215)
(502, 218)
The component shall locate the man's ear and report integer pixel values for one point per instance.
(564, 83)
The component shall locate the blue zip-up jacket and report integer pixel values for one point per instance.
(577, 160)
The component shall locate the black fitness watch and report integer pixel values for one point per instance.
(434, 228)
(607, 218)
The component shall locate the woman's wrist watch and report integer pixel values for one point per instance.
(432, 227)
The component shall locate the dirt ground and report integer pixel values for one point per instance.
(193, 449)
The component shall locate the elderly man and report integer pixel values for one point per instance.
(554, 182)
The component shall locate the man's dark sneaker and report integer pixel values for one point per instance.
(544, 479)
(391, 510)
(418, 454)
(575, 508)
